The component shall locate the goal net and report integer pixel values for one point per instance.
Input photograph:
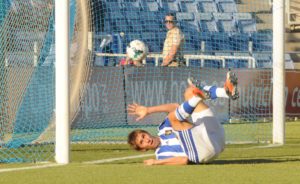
(218, 35)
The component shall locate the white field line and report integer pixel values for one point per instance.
(30, 167)
(116, 159)
(266, 146)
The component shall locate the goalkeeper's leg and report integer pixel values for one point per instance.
(228, 91)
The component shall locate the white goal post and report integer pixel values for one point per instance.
(278, 73)
(62, 110)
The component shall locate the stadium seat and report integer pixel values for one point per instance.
(262, 41)
(187, 22)
(206, 6)
(229, 63)
(241, 63)
(118, 22)
(183, 16)
(221, 41)
(134, 21)
(189, 6)
(150, 5)
(107, 25)
(113, 6)
(151, 39)
(189, 44)
(240, 42)
(263, 60)
(132, 14)
(206, 22)
(245, 22)
(132, 36)
(206, 42)
(170, 6)
(152, 25)
(227, 7)
(129, 5)
(225, 22)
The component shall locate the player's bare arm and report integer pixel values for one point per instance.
(142, 111)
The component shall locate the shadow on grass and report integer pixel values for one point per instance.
(218, 162)
(254, 161)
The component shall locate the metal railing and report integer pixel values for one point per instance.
(203, 58)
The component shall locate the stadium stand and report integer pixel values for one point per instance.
(210, 27)
(150, 5)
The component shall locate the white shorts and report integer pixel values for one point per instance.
(206, 140)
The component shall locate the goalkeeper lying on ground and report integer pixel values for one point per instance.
(180, 142)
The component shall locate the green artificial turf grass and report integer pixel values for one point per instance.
(247, 163)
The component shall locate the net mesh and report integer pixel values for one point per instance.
(222, 31)
(28, 77)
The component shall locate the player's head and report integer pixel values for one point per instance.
(170, 20)
(142, 140)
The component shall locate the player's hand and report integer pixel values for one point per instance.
(149, 162)
(137, 110)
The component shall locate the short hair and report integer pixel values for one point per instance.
(131, 140)
(171, 14)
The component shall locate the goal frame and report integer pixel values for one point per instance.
(62, 143)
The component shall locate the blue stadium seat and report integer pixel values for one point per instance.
(132, 14)
(225, 22)
(221, 41)
(240, 42)
(263, 60)
(189, 6)
(206, 42)
(206, 22)
(107, 25)
(151, 39)
(118, 22)
(241, 63)
(170, 5)
(116, 15)
(113, 6)
(187, 22)
(136, 25)
(245, 22)
(161, 36)
(129, 5)
(262, 41)
(150, 5)
(189, 44)
(183, 16)
(229, 63)
(208, 63)
(227, 6)
(152, 25)
(207, 6)
(132, 36)
(134, 21)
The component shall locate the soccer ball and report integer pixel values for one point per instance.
(137, 50)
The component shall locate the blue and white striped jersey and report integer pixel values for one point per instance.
(170, 145)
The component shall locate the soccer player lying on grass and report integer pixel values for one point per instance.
(180, 142)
